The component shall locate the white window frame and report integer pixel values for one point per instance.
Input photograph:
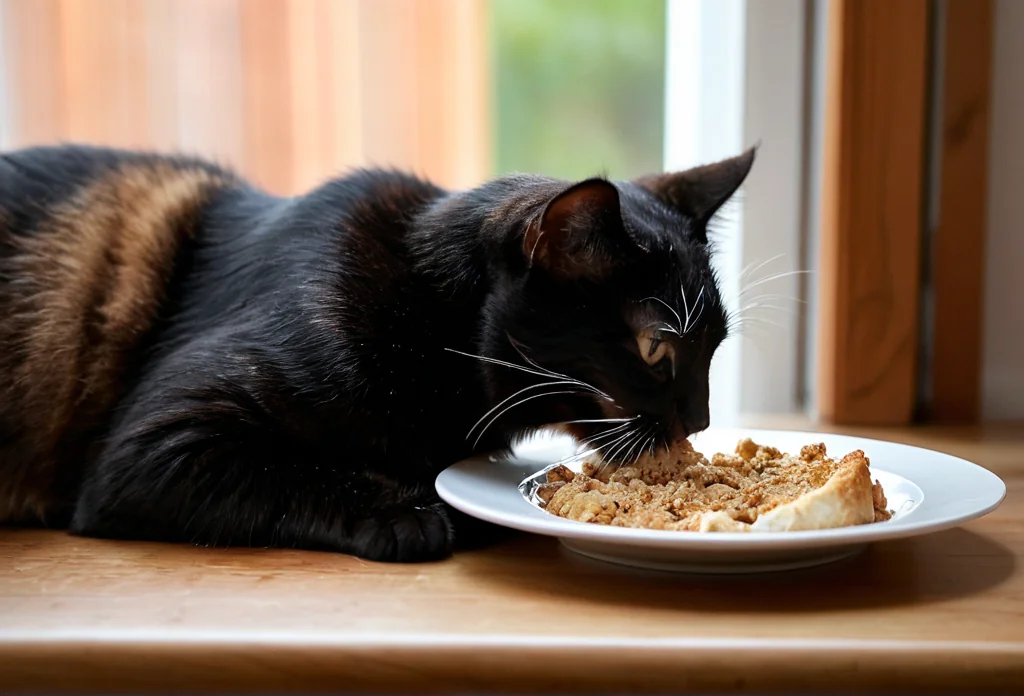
(735, 77)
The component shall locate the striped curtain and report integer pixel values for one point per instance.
(288, 92)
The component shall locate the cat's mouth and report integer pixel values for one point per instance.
(620, 440)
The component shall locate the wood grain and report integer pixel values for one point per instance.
(941, 612)
(958, 252)
(871, 211)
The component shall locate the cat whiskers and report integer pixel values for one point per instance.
(754, 267)
(513, 396)
(742, 325)
(607, 459)
(661, 327)
(758, 300)
(555, 379)
(651, 443)
(679, 320)
(767, 279)
(551, 373)
(743, 319)
(628, 456)
(603, 434)
(600, 420)
(616, 431)
(518, 403)
(635, 440)
(505, 363)
(540, 372)
(624, 449)
(686, 307)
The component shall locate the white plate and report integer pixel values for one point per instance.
(927, 490)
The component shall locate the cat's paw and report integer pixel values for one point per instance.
(421, 533)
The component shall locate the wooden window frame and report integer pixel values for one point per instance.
(874, 199)
(958, 240)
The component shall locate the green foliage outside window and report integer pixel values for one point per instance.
(579, 86)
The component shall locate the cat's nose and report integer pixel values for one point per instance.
(689, 423)
(698, 423)
(685, 427)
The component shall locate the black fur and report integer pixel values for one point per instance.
(302, 386)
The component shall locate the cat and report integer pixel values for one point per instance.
(184, 357)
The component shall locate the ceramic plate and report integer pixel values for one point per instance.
(928, 491)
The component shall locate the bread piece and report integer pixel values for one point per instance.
(756, 489)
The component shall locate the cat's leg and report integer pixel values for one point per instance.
(416, 527)
(203, 460)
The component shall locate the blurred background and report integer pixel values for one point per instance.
(293, 91)
(872, 254)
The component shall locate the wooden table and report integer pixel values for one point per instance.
(942, 612)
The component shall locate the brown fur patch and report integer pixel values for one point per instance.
(87, 286)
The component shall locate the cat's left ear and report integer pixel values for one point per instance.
(578, 233)
(698, 193)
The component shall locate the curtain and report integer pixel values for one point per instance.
(288, 92)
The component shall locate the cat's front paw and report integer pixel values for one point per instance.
(421, 533)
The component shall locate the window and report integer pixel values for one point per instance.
(578, 86)
(291, 92)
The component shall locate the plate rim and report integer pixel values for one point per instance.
(531, 520)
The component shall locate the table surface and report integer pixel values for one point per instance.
(941, 611)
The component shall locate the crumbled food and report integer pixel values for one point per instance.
(556, 478)
(756, 488)
(881, 505)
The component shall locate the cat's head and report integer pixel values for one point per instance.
(610, 300)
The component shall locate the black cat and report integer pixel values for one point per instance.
(184, 357)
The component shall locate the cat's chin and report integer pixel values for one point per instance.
(560, 428)
(577, 431)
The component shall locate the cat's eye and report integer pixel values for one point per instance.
(656, 347)
(655, 351)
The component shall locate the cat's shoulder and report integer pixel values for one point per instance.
(390, 189)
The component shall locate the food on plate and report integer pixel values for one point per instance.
(755, 489)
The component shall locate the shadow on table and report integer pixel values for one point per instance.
(936, 568)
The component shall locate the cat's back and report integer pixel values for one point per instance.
(89, 240)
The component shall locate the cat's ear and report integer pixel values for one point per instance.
(576, 233)
(699, 192)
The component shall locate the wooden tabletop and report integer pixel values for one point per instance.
(944, 611)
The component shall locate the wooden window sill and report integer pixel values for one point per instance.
(943, 611)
